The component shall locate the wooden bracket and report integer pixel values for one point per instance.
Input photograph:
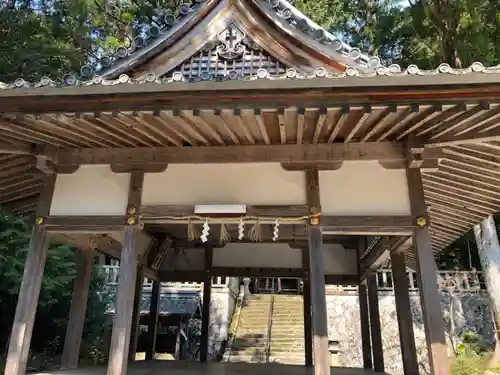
(7, 148)
(165, 246)
(322, 166)
(47, 158)
(132, 167)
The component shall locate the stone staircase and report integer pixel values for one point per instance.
(250, 342)
(287, 331)
(285, 345)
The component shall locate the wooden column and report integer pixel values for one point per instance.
(364, 313)
(321, 353)
(308, 346)
(207, 296)
(364, 316)
(405, 318)
(439, 362)
(24, 319)
(122, 325)
(177, 353)
(76, 320)
(136, 314)
(154, 313)
(375, 328)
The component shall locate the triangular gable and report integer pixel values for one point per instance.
(231, 55)
(229, 38)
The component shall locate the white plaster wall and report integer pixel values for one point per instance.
(91, 190)
(364, 188)
(338, 260)
(259, 255)
(251, 184)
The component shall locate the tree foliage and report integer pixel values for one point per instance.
(422, 32)
(55, 296)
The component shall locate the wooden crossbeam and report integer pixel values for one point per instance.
(160, 255)
(84, 223)
(303, 153)
(7, 148)
(467, 138)
(368, 225)
(381, 252)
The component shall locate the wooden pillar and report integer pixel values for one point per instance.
(207, 296)
(177, 353)
(308, 347)
(321, 353)
(154, 313)
(76, 320)
(136, 314)
(375, 327)
(364, 313)
(27, 302)
(439, 362)
(122, 325)
(364, 316)
(405, 318)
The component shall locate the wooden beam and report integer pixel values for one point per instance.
(321, 352)
(467, 138)
(257, 272)
(156, 213)
(364, 317)
(207, 298)
(24, 318)
(136, 314)
(135, 192)
(381, 252)
(308, 344)
(122, 324)
(319, 153)
(342, 279)
(154, 314)
(85, 223)
(76, 320)
(7, 148)
(368, 225)
(405, 318)
(375, 327)
(159, 256)
(426, 270)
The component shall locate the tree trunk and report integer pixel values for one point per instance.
(488, 249)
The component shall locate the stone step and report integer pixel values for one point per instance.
(255, 316)
(287, 331)
(249, 354)
(247, 359)
(296, 362)
(282, 336)
(292, 356)
(292, 351)
(280, 342)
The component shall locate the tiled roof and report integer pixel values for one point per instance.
(391, 71)
(179, 303)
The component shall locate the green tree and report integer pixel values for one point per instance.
(55, 296)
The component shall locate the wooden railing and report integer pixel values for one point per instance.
(111, 278)
(451, 281)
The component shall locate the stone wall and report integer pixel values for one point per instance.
(222, 305)
(470, 312)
